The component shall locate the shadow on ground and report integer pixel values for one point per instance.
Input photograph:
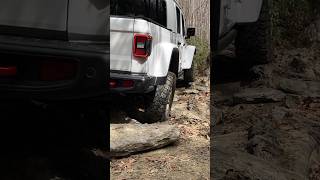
(42, 144)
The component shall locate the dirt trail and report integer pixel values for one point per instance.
(187, 159)
(268, 125)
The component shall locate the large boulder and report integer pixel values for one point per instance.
(300, 87)
(258, 95)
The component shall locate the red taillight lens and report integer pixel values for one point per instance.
(142, 45)
(112, 84)
(56, 71)
(121, 83)
(8, 71)
(127, 83)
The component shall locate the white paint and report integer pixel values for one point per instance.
(121, 41)
(187, 57)
(164, 42)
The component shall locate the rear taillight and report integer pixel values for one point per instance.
(127, 83)
(119, 83)
(8, 71)
(56, 71)
(142, 45)
(112, 83)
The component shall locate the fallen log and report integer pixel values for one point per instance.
(127, 139)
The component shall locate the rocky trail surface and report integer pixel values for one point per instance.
(187, 158)
(267, 125)
(176, 149)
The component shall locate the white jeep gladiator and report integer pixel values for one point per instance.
(149, 52)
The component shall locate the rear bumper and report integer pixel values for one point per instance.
(90, 79)
(142, 83)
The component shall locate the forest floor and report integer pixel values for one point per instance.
(189, 158)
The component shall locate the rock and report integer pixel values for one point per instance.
(127, 139)
(216, 116)
(262, 140)
(179, 92)
(235, 175)
(302, 68)
(202, 88)
(222, 94)
(278, 113)
(314, 105)
(261, 71)
(231, 165)
(299, 65)
(133, 121)
(315, 164)
(292, 101)
(218, 99)
(300, 87)
(258, 95)
(191, 104)
(191, 91)
(312, 32)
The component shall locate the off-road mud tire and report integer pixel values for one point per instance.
(158, 103)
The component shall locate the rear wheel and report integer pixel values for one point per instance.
(158, 103)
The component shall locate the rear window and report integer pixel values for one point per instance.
(156, 10)
(183, 26)
(178, 20)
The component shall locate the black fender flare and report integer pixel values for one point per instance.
(174, 61)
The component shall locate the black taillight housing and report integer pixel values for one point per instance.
(142, 45)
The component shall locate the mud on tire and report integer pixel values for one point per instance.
(158, 103)
(253, 42)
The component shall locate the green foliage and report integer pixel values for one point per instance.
(291, 17)
(201, 58)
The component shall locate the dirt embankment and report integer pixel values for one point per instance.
(269, 127)
(186, 159)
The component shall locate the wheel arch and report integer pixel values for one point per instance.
(174, 61)
(162, 62)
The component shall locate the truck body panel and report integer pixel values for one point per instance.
(163, 23)
(121, 41)
(42, 14)
(125, 23)
(245, 11)
(55, 55)
(87, 20)
(74, 20)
